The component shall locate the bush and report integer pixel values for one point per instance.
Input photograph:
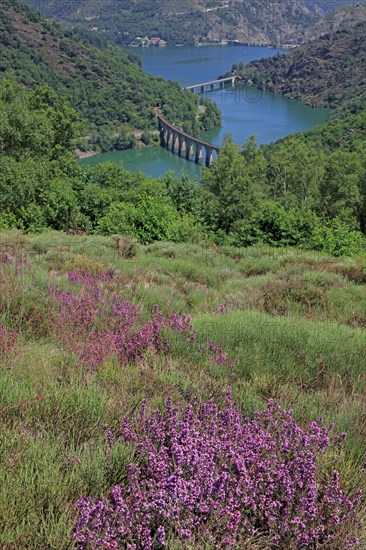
(147, 221)
(7, 220)
(339, 239)
(127, 247)
(206, 475)
(184, 229)
(60, 205)
(272, 224)
(32, 218)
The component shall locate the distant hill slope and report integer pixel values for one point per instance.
(192, 21)
(323, 73)
(103, 82)
(339, 19)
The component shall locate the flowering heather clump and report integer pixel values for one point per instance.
(96, 323)
(12, 259)
(206, 475)
(88, 278)
(219, 356)
(7, 340)
(220, 310)
(6, 258)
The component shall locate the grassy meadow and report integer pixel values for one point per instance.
(292, 323)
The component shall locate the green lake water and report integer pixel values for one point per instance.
(245, 110)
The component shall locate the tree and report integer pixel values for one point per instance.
(183, 192)
(255, 161)
(340, 186)
(229, 180)
(148, 221)
(35, 123)
(294, 170)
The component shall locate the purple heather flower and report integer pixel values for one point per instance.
(210, 470)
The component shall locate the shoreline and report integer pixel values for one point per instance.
(82, 155)
(85, 154)
(222, 44)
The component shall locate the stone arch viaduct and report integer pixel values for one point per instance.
(183, 144)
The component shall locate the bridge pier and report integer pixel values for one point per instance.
(164, 137)
(182, 147)
(198, 155)
(175, 147)
(189, 150)
(209, 154)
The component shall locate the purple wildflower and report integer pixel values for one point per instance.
(210, 470)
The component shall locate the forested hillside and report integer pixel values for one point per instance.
(329, 5)
(324, 73)
(103, 82)
(193, 21)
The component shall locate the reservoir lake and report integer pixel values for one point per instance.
(245, 109)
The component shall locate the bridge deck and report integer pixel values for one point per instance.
(229, 79)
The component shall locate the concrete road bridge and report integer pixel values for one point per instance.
(213, 84)
(185, 145)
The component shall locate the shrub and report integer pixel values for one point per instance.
(339, 239)
(7, 220)
(206, 475)
(127, 247)
(32, 218)
(95, 323)
(86, 265)
(274, 225)
(184, 229)
(148, 221)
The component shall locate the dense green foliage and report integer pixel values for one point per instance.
(323, 73)
(290, 194)
(42, 185)
(307, 190)
(103, 82)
